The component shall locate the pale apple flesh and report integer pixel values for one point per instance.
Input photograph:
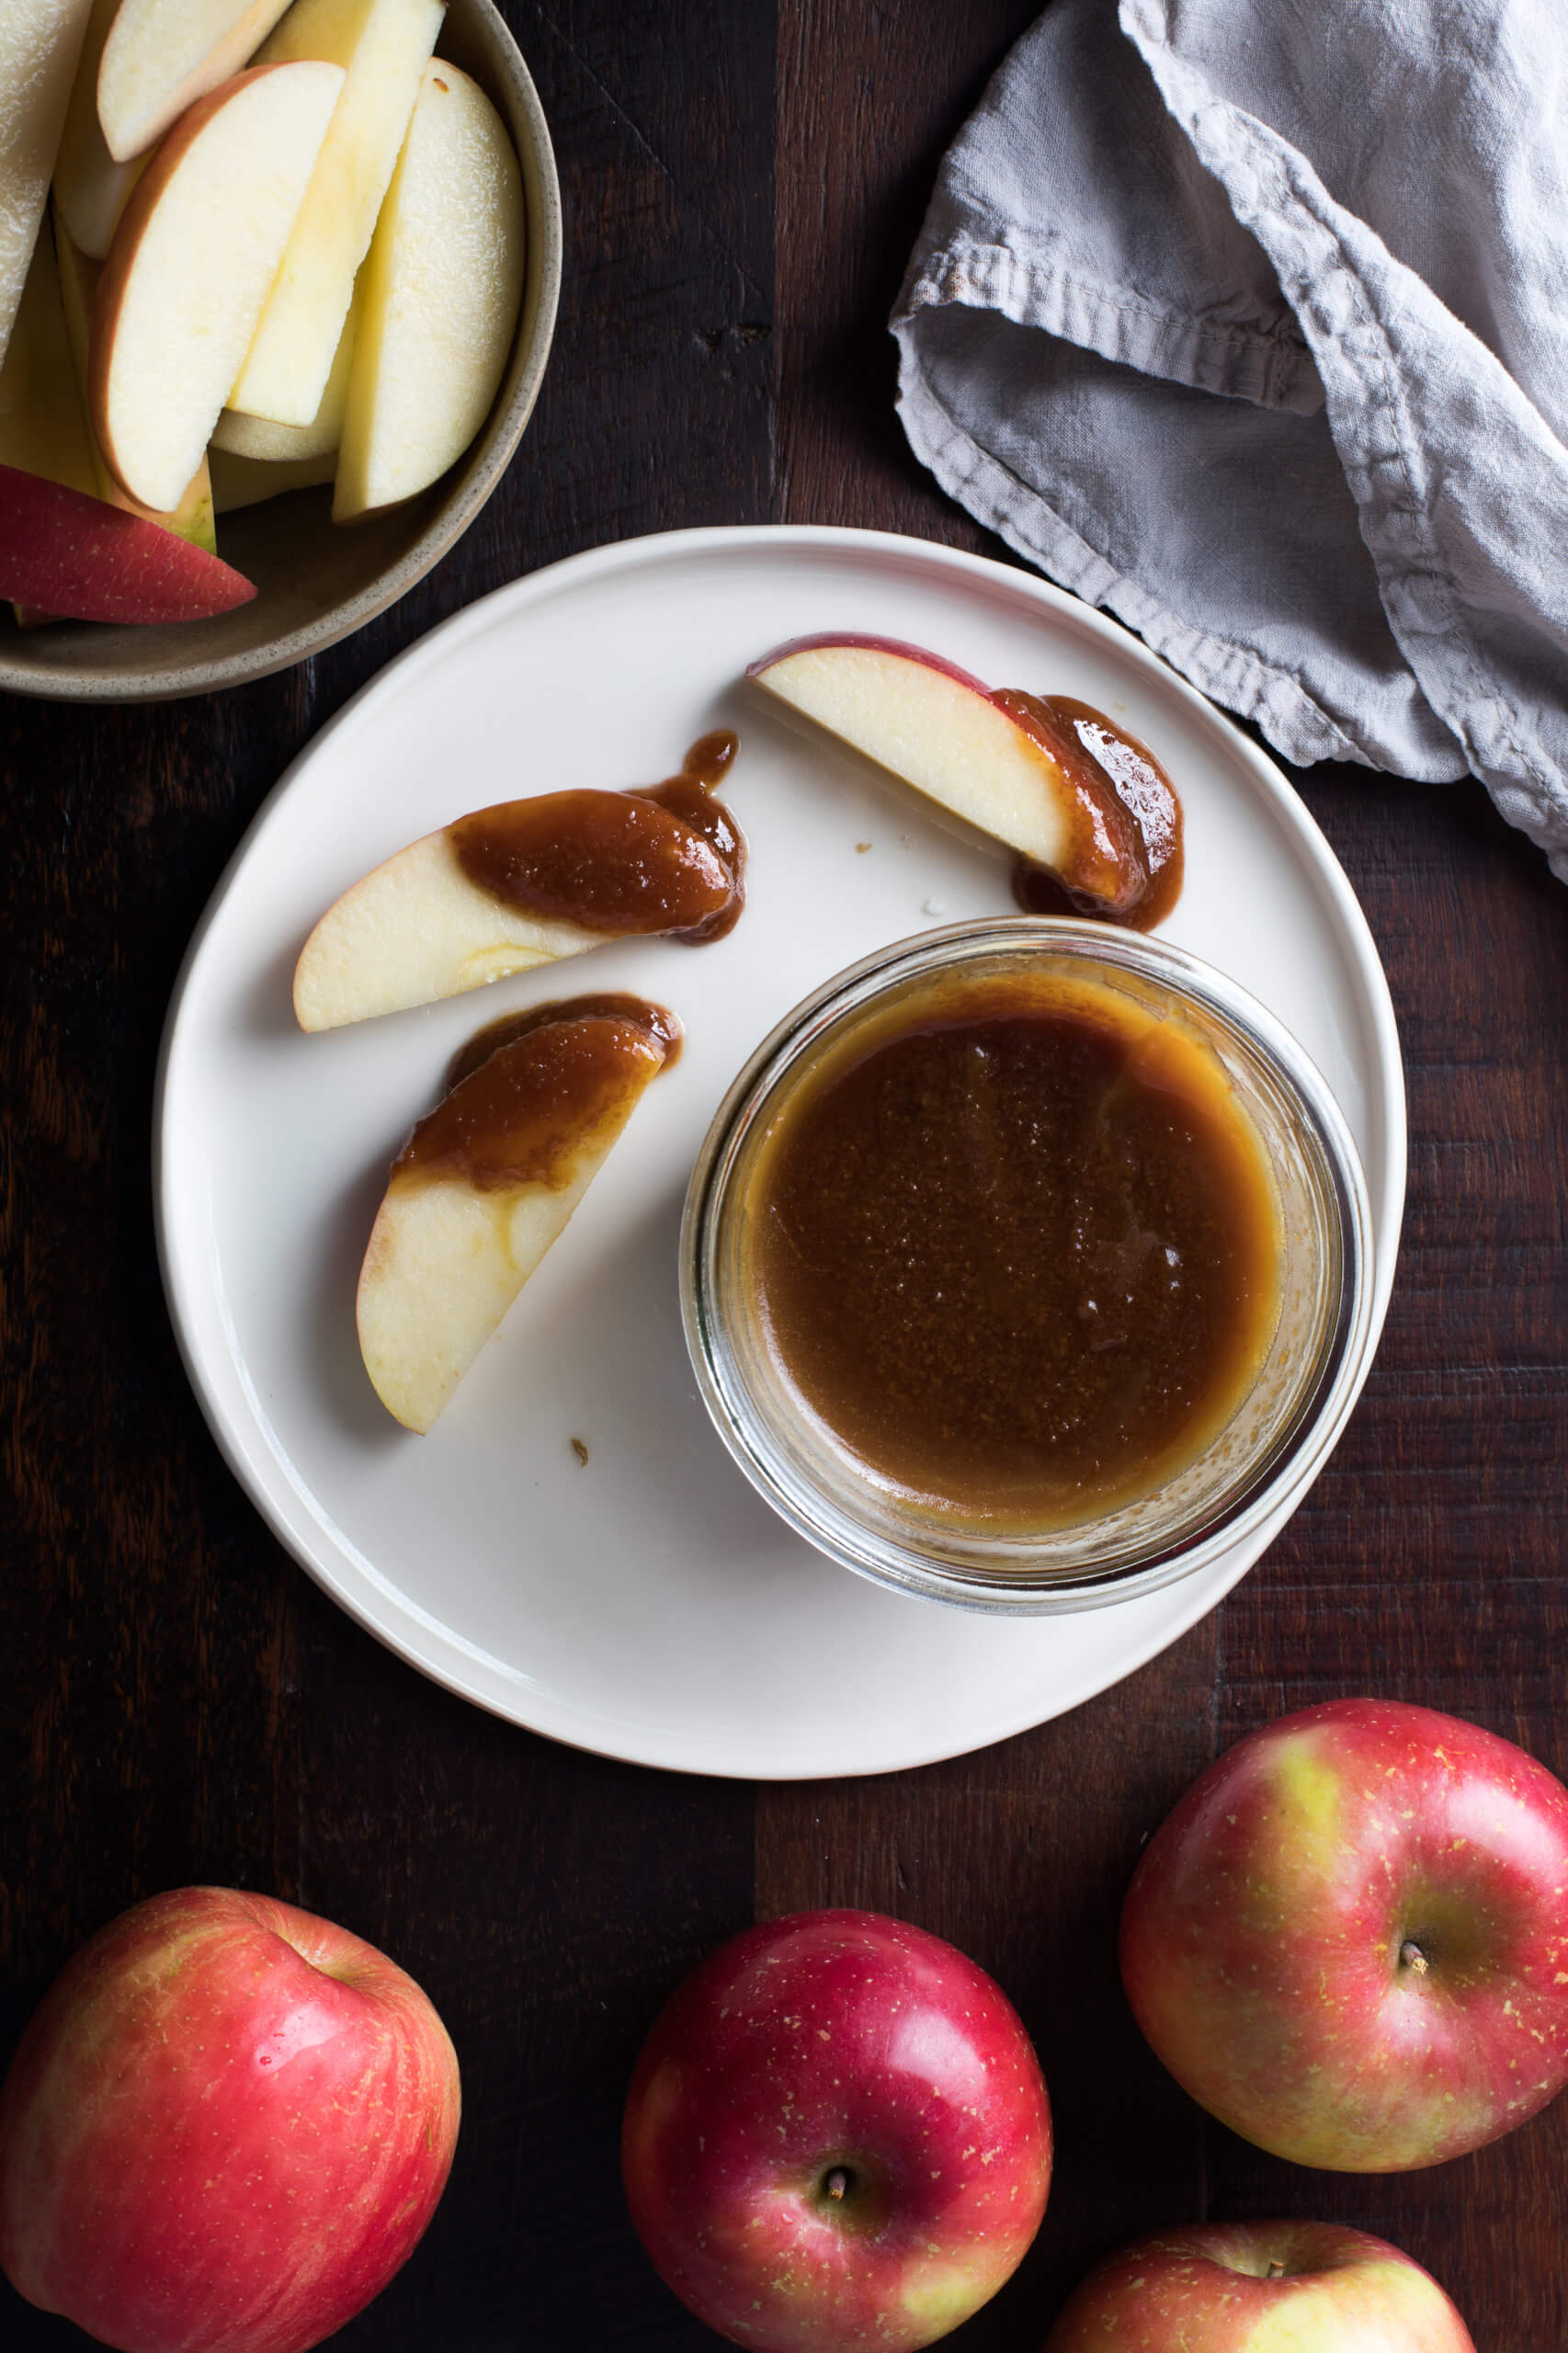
(443, 287)
(983, 756)
(91, 190)
(247, 481)
(258, 437)
(228, 2124)
(161, 56)
(40, 41)
(417, 930)
(78, 557)
(836, 2134)
(192, 515)
(382, 46)
(191, 266)
(1260, 2288)
(454, 1241)
(1349, 1942)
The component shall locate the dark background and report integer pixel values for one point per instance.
(179, 1702)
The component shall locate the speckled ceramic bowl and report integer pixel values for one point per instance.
(318, 582)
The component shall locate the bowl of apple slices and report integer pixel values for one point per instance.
(278, 285)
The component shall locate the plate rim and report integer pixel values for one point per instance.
(1386, 1089)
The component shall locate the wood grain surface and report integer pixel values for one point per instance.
(180, 1703)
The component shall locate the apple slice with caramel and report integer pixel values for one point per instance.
(486, 1183)
(1018, 767)
(524, 883)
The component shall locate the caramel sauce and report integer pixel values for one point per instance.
(1127, 853)
(1017, 1247)
(669, 860)
(534, 1091)
(660, 1024)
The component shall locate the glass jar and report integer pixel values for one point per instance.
(1265, 1455)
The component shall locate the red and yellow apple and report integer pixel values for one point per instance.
(1260, 2288)
(1349, 1942)
(228, 2124)
(837, 2133)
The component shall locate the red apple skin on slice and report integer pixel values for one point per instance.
(80, 560)
(191, 266)
(988, 758)
(483, 1187)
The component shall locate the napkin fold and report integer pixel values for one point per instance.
(1249, 322)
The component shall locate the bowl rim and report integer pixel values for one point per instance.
(490, 454)
(1324, 1410)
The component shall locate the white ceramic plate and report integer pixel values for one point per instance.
(647, 1603)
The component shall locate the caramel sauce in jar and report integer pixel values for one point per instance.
(669, 860)
(1015, 1246)
(533, 1091)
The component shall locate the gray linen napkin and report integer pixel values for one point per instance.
(1248, 321)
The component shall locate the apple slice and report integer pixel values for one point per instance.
(78, 557)
(247, 481)
(160, 56)
(382, 45)
(190, 267)
(40, 41)
(996, 760)
(443, 284)
(576, 870)
(416, 931)
(485, 1185)
(258, 437)
(91, 190)
(192, 514)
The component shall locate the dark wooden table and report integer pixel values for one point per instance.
(180, 1703)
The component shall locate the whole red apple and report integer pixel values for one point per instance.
(1349, 1941)
(837, 2133)
(225, 2128)
(1260, 2288)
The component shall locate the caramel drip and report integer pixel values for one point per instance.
(669, 859)
(1125, 863)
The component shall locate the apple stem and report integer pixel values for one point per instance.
(1275, 2270)
(837, 2182)
(1411, 1957)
